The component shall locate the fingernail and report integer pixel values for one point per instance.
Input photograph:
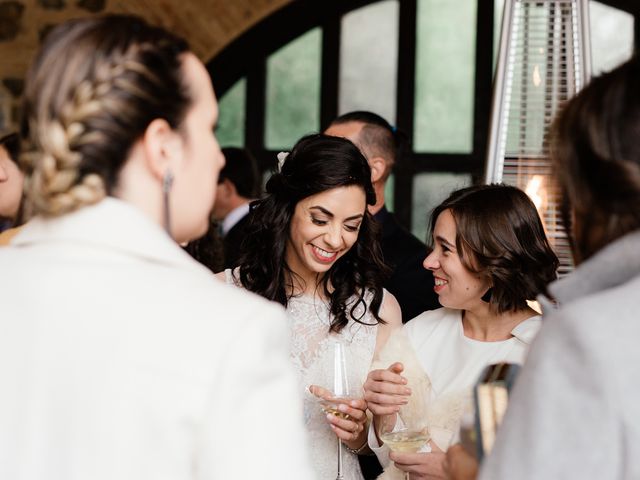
(407, 390)
(342, 407)
(404, 381)
(330, 416)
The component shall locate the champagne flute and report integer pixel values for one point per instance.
(407, 431)
(339, 391)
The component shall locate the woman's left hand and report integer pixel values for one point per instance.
(421, 466)
(350, 427)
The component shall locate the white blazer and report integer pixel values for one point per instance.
(123, 358)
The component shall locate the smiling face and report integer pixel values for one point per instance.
(456, 286)
(323, 228)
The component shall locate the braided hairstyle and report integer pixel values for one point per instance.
(316, 164)
(93, 89)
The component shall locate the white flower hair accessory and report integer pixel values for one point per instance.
(282, 156)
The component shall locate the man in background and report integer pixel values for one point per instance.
(410, 282)
(238, 184)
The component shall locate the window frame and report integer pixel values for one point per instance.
(247, 57)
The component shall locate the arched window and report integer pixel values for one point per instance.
(424, 65)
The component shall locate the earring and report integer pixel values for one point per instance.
(487, 295)
(167, 182)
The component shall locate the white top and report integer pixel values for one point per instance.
(233, 217)
(122, 358)
(454, 362)
(309, 322)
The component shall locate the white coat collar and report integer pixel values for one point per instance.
(111, 224)
(614, 265)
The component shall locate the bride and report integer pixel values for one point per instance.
(312, 246)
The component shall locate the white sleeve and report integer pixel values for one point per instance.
(253, 422)
(382, 452)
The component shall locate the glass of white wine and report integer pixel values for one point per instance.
(407, 431)
(338, 392)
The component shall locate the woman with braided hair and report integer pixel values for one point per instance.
(120, 356)
(312, 246)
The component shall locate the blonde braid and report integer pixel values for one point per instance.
(54, 186)
(93, 89)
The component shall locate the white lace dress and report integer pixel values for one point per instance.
(309, 321)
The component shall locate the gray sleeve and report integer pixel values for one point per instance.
(561, 422)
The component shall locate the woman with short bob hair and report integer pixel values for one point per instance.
(120, 356)
(312, 246)
(490, 255)
(500, 237)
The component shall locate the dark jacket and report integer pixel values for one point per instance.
(410, 282)
(232, 241)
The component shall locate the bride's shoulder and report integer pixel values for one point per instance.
(390, 310)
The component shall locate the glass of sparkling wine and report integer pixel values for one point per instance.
(339, 393)
(407, 431)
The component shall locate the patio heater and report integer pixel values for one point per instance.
(544, 59)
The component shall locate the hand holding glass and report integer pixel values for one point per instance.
(340, 391)
(407, 431)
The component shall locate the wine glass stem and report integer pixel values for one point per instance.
(339, 476)
(406, 476)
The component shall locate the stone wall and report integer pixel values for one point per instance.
(208, 25)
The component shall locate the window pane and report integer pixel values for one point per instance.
(429, 190)
(293, 91)
(230, 131)
(445, 71)
(611, 37)
(389, 192)
(368, 60)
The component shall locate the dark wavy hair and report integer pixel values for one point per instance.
(596, 155)
(316, 164)
(499, 235)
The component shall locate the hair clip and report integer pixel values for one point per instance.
(282, 156)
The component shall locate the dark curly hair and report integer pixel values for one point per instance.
(499, 235)
(316, 164)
